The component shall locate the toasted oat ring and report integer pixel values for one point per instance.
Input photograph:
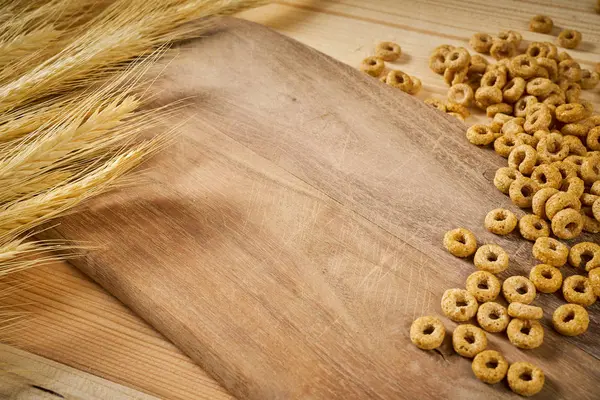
(539, 87)
(504, 144)
(595, 189)
(520, 108)
(547, 176)
(489, 366)
(525, 311)
(400, 80)
(524, 66)
(589, 80)
(372, 65)
(500, 108)
(573, 185)
(511, 36)
(567, 170)
(570, 112)
(573, 93)
(537, 49)
(483, 285)
(500, 221)
(495, 77)
(480, 135)
(416, 85)
(569, 69)
(519, 289)
(491, 258)
(546, 278)
(570, 319)
(458, 58)
(525, 334)
(590, 224)
(555, 100)
(567, 224)
(427, 333)
(593, 139)
(577, 289)
(539, 119)
(541, 24)
(459, 305)
(457, 108)
(388, 51)
(481, 42)
(488, 95)
(525, 379)
(585, 255)
(569, 39)
(504, 177)
(522, 190)
(460, 242)
(437, 62)
(587, 200)
(550, 66)
(579, 129)
(502, 49)
(513, 126)
(468, 340)
(590, 171)
(533, 227)
(454, 77)
(513, 90)
(561, 201)
(594, 277)
(575, 146)
(435, 103)
(492, 317)
(523, 158)
(528, 139)
(550, 251)
(550, 148)
(461, 93)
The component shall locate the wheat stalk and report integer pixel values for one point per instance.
(26, 44)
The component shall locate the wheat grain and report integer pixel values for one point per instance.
(26, 44)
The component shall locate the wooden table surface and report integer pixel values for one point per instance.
(76, 323)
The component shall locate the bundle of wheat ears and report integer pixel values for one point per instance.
(73, 106)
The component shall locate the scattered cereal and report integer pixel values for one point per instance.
(459, 305)
(469, 340)
(525, 334)
(500, 221)
(546, 278)
(570, 319)
(578, 289)
(518, 289)
(388, 51)
(427, 333)
(483, 285)
(525, 311)
(489, 366)
(525, 379)
(491, 258)
(533, 227)
(492, 317)
(585, 255)
(460, 242)
(550, 251)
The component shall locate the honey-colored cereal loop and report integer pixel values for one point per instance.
(496, 77)
(527, 139)
(416, 85)
(546, 278)
(457, 108)
(550, 251)
(594, 277)
(460, 242)
(523, 158)
(469, 340)
(533, 227)
(480, 135)
(525, 311)
(520, 108)
(454, 77)
(500, 108)
(550, 148)
(588, 107)
(574, 186)
(572, 94)
(459, 305)
(491, 258)
(541, 24)
(513, 126)
(435, 103)
(478, 64)
(500, 221)
(539, 87)
(547, 176)
(567, 224)
(502, 49)
(541, 72)
(570, 112)
(566, 169)
(569, 69)
(511, 36)
(593, 139)
(537, 49)
(481, 42)
(437, 62)
(492, 317)
(538, 204)
(521, 191)
(590, 224)
(577, 289)
(590, 171)
(400, 80)
(488, 95)
(561, 201)
(555, 100)
(427, 333)
(569, 39)
(388, 51)
(550, 66)
(473, 79)
(483, 285)
(563, 55)
(575, 146)
(595, 189)
(489, 366)
(513, 90)
(585, 255)
(461, 93)
(539, 119)
(518, 289)
(525, 379)
(570, 320)
(589, 80)
(504, 177)
(504, 144)
(587, 200)
(525, 334)
(372, 65)
(444, 49)
(458, 58)
(579, 129)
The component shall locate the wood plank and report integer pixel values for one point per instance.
(26, 376)
(289, 238)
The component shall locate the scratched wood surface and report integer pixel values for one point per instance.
(346, 30)
(292, 234)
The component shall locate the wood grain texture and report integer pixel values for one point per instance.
(290, 237)
(25, 376)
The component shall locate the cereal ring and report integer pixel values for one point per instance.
(572, 94)
(461, 94)
(525, 334)
(372, 66)
(523, 158)
(427, 333)
(541, 24)
(594, 277)
(537, 49)
(460, 242)
(569, 39)
(435, 103)
(595, 189)
(550, 251)
(480, 135)
(533, 227)
(503, 49)
(525, 311)
(527, 139)
(539, 87)
(555, 100)
(437, 62)
(539, 119)
(547, 176)
(400, 80)
(474, 80)
(593, 139)
(504, 177)
(561, 201)
(478, 65)
(570, 112)
(459, 305)
(483, 285)
(579, 129)
(492, 317)
(588, 107)
(496, 77)
(511, 36)
(590, 171)
(457, 108)
(585, 255)
(500, 221)
(469, 340)
(518, 289)
(524, 66)
(564, 56)
(567, 170)
(567, 224)
(388, 51)
(458, 59)
(577, 289)
(541, 72)
(589, 80)
(573, 185)
(500, 108)
(481, 42)
(575, 146)
(454, 77)
(489, 366)
(588, 200)
(546, 278)
(570, 320)
(550, 66)
(488, 95)
(444, 49)
(590, 224)
(504, 144)
(521, 191)
(569, 69)
(491, 258)
(525, 379)
(538, 205)
(521, 105)
(513, 126)
(550, 148)
(416, 85)
(513, 90)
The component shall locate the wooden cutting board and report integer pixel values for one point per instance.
(289, 237)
